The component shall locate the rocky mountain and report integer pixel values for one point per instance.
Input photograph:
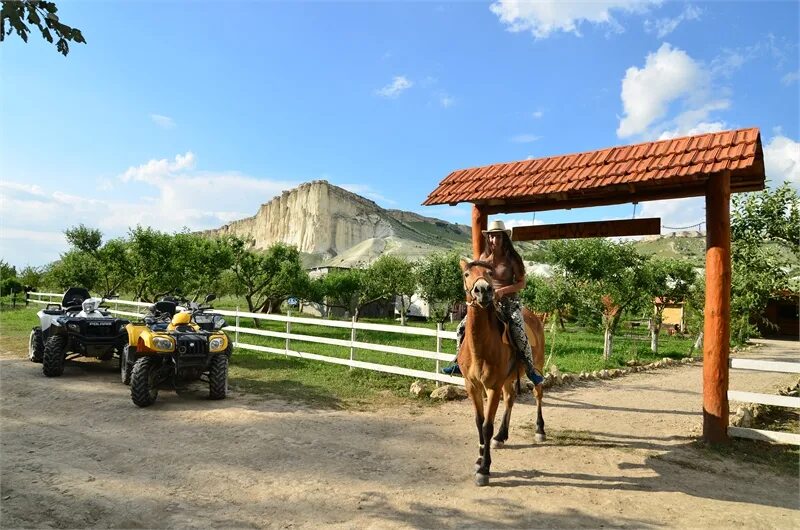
(332, 226)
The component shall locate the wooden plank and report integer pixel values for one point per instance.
(765, 366)
(622, 227)
(764, 399)
(766, 436)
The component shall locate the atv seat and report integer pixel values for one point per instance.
(165, 306)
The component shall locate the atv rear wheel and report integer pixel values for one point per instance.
(36, 345)
(125, 366)
(53, 357)
(144, 382)
(218, 376)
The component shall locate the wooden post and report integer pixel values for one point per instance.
(717, 328)
(479, 222)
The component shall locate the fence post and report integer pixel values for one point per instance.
(236, 339)
(288, 330)
(352, 340)
(438, 345)
(13, 299)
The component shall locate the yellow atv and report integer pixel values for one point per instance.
(175, 343)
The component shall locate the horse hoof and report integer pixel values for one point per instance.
(497, 444)
(540, 437)
(481, 480)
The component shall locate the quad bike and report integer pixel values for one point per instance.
(80, 326)
(175, 343)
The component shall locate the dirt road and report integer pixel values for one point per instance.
(77, 453)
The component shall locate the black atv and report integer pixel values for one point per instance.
(81, 326)
(175, 344)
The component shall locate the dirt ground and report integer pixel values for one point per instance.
(76, 453)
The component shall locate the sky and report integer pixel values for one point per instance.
(192, 114)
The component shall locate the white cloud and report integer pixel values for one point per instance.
(676, 214)
(165, 122)
(398, 85)
(545, 17)
(525, 138)
(366, 191)
(664, 26)
(782, 160)
(669, 74)
(165, 194)
(537, 114)
(701, 128)
(446, 101)
(791, 77)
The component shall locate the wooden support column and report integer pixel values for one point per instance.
(479, 222)
(717, 328)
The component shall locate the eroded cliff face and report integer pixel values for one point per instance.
(317, 217)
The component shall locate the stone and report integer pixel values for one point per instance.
(449, 393)
(596, 374)
(742, 418)
(417, 388)
(567, 379)
(605, 374)
(582, 376)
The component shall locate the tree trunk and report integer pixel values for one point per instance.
(654, 339)
(561, 320)
(608, 338)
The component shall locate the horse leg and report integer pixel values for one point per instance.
(476, 396)
(493, 399)
(540, 436)
(509, 396)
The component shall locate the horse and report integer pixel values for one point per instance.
(489, 363)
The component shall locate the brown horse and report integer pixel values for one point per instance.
(490, 365)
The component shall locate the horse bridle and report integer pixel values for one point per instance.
(471, 300)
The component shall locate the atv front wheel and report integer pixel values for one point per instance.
(144, 382)
(218, 377)
(36, 345)
(53, 358)
(125, 366)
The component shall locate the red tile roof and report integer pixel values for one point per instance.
(663, 169)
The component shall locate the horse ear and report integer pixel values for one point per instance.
(463, 264)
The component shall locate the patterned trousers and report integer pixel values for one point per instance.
(511, 313)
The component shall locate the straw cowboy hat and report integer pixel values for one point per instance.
(497, 226)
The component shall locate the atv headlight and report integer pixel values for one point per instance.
(216, 344)
(163, 344)
(89, 305)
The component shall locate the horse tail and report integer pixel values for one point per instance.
(535, 330)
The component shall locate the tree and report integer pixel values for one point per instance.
(8, 279)
(440, 283)
(154, 263)
(666, 281)
(202, 263)
(393, 277)
(15, 15)
(765, 230)
(609, 277)
(32, 277)
(74, 269)
(553, 295)
(341, 288)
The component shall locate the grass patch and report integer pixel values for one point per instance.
(782, 459)
(15, 327)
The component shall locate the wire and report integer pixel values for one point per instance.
(698, 225)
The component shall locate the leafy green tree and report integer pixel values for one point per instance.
(666, 281)
(440, 283)
(8, 279)
(607, 277)
(765, 227)
(74, 269)
(16, 15)
(393, 277)
(32, 277)
(154, 263)
(287, 277)
(201, 263)
(342, 289)
(83, 238)
(553, 295)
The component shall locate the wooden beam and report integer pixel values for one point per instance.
(479, 222)
(626, 227)
(717, 313)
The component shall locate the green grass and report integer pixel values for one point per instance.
(330, 385)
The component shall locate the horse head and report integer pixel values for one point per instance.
(478, 282)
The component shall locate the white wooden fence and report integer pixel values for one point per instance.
(236, 330)
(764, 399)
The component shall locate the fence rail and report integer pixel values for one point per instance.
(764, 399)
(287, 350)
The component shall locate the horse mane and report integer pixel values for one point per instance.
(480, 263)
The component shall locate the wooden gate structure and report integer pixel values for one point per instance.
(709, 165)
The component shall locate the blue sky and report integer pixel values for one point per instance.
(194, 113)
